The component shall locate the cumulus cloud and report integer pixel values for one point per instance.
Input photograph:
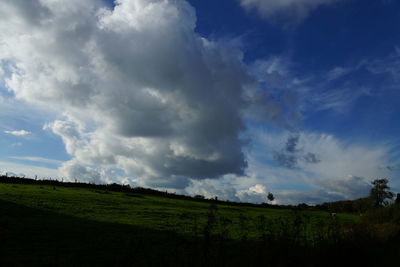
(339, 159)
(74, 170)
(210, 189)
(138, 88)
(290, 10)
(18, 133)
(255, 194)
(341, 170)
(349, 187)
(345, 188)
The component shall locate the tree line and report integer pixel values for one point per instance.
(379, 196)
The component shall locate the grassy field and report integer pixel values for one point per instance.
(60, 226)
(153, 212)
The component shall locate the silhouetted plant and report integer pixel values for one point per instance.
(270, 197)
(261, 227)
(380, 192)
(397, 201)
(243, 227)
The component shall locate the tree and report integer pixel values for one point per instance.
(397, 199)
(270, 197)
(380, 192)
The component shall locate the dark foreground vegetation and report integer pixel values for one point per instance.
(53, 225)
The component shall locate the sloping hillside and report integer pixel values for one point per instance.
(60, 226)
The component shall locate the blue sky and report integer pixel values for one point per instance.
(227, 98)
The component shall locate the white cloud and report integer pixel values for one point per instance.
(389, 65)
(343, 170)
(349, 187)
(310, 197)
(135, 88)
(138, 88)
(338, 72)
(336, 90)
(291, 10)
(73, 170)
(38, 159)
(255, 194)
(211, 189)
(28, 170)
(227, 191)
(345, 188)
(339, 159)
(18, 133)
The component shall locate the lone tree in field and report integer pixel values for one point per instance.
(380, 192)
(270, 197)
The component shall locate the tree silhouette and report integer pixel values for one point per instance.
(270, 197)
(397, 201)
(380, 192)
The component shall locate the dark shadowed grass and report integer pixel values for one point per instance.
(35, 237)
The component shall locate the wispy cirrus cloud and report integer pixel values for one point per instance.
(37, 159)
(337, 89)
(18, 133)
(287, 11)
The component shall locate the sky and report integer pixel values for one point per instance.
(227, 98)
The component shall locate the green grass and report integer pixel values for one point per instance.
(153, 212)
(63, 226)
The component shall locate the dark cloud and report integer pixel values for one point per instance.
(291, 155)
(291, 144)
(311, 158)
(31, 12)
(288, 157)
(286, 160)
(390, 168)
